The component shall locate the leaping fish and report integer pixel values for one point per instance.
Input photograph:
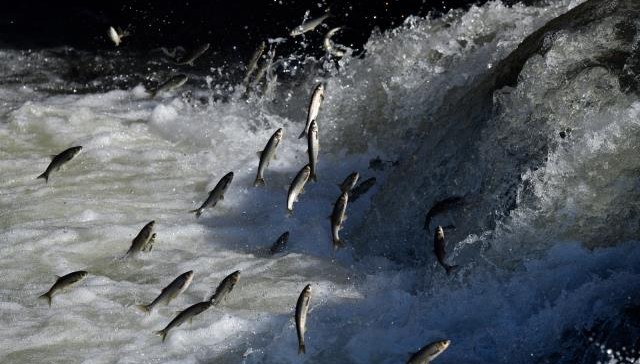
(173, 290)
(297, 187)
(309, 25)
(330, 47)
(314, 108)
(429, 352)
(216, 194)
(64, 282)
(195, 54)
(59, 160)
(117, 35)
(253, 63)
(302, 308)
(188, 314)
(266, 155)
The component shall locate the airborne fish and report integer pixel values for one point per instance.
(195, 54)
(117, 35)
(328, 44)
(362, 188)
(309, 25)
(142, 240)
(314, 108)
(173, 290)
(183, 316)
(266, 155)
(170, 84)
(280, 244)
(337, 219)
(59, 160)
(253, 63)
(313, 145)
(349, 182)
(438, 249)
(225, 287)
(63, 283)
(297, 186)
(429, 352)
(216, 194)
(302, 307)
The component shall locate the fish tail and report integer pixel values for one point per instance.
(46, 296)
(198, 212)
(258, 182)
(301, 348)
(289, 213)
(450, 268)
(144, 308)
(161, 333)
(303, 134)
(45, 175)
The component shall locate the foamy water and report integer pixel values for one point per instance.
(526, 279)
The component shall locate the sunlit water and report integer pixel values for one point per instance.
(526, 278)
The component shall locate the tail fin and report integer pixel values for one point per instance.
(198, 212)
(45, 175)
(144, 308)
(337, 244)
(301, 349)
(161, 333)
(303, 134)
(46, 296)
(258, 182)
(289, 213)
(450, 268)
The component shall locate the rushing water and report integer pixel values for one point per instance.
(546, 237)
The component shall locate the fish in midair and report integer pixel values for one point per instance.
(149, 245)
(309, 25)
(262, 71)
(349, 182)
(225, 287)
(142, 240)
(429, 352)
(216, 194)
(253, 63)
(173, 290)
(330, 47)
(438, 249)
(63, 283)
(314, 108)
(266, 155)
(313, 146)
(193, 55)
(361, 189)
(117, 35)
(302, 308)
(280, 244)
(170, 84)
(183, 316)
(337, 219)
(59, 160)
(297, 187)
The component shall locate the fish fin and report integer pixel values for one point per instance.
(161, 333)
(144, 308)
(303, 134)
(45, 175)
(450, 268)
(197, 212)
(259, 153)
(46, 296)
(301, 349)
(337, 244)
(258, 182)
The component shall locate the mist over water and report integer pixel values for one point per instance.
(546, 235)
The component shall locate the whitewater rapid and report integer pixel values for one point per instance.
(546, 240)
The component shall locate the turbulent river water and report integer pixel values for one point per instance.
(533, 133)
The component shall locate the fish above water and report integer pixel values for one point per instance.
(302, 308)
(349, 182)
(64, 282)
(337, 219)
(266, 155)
(173, 290)
(253, 63)
(193, 55)
(170, 84)
(280, 244)
(188, 314)
(297, 187)
(361, 189)
(330, 47)
(225, 287)
(314, 108)
(142, 240)
(439, 250)
(313, 146)
(117, 35)
(429, 352)
(57, 161)
(309, 25)
(216, 194)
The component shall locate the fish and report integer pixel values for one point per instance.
(362, 188)
(309, 25)
(117, 35)
(140, 242)
(440, 207)
(195, 54)
(188, 314)
(225, 287)
(262, 71)
(216, 194)
(349, 182)
(337, 219)
(253, 63)
(59, 160)
(280, 244)
(429, 352)
(438, 249)
(149, 245)
(170, 84)
(173, 290)
(266, 155)
(328, 44)
(313, 148)
(302, 308)
(314, 108)
(297, 187)
(63, 283)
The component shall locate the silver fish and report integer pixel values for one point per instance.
(225, 287)
(438, 249)
(117, 35)
(302, 307)
(63, 283)
(280, 244)
(195, 54)
(141, 241)
(173, 290)
(313, 145)
(183, 316)
(59, 160)
(216, 194)
(349, 182)
(329, 46)
(362, 188)
(262, 71)
(170, 84)
(314, 108)
(297, 187)
(253, 63)
(266, 155)
(309, 25)
(337, 219)
(429, 352)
